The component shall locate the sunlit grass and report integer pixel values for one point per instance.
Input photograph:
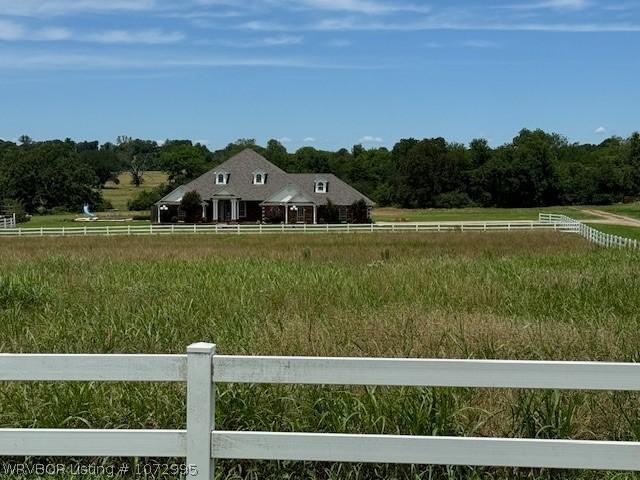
(119, 194)
(471, 214)
(528, 295)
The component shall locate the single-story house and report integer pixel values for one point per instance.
(248, 188)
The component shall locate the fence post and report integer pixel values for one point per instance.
(201, 410)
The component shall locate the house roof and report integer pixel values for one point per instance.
(241, 169)
(289, 194)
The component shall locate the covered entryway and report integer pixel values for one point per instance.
(289, 205)
(225, 207)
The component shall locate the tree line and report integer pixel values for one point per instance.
(535, 169)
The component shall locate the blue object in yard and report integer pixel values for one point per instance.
(87, 211)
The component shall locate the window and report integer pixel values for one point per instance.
(342, 212)
(222, 178)
(259, 178)
(321, 187)
(300, 214)
(242, 210)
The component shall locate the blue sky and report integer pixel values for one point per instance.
(327, 73)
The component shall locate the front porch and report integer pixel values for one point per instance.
(290, 213)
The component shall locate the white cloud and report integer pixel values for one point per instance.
(441, 21)
(309, 140)
(464, 44)
(285, 140)
(600, 130)
(47, 60)
(276, 41)
(10, 31)
(339, 43)
(370, 139)
(13, 32)
(149, 37)
(368, 7)
(552, 4)
(479, 44)
(33, 8)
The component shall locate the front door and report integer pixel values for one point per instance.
(224, 210)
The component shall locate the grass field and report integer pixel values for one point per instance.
(471, 214)
(119, 194)
(68, 220)
(533, 295)
(622, 231)
(631, 210)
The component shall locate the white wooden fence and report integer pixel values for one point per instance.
(176, 229)
(201, 443)
(7, 222)
(600, 238)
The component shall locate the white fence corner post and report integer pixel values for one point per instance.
(200, 410)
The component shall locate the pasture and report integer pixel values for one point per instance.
(528, 295)
(120, 193)
(390, 214)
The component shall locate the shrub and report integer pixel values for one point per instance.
(360, 211)
(144, 200)
(9, 206)
(191, 205)
(332, 215)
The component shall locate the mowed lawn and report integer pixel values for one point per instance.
(531, 295)
(620, 230)
(630, 210)
(472, 214)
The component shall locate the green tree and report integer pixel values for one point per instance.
(138, 157)
(277, 154)
(183, 161)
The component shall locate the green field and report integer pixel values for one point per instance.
(119, 194)
(531, 295)
(472, 214)
(68, 220)
(631, 210)
(620, 230)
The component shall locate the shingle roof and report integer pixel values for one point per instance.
(241, 168)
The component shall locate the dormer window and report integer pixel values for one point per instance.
(222, 178)
(259, 178)
(321, 186)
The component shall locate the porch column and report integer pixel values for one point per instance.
(286, 214)
(315, 214)
(234, 209)
(204, 212)
(215, 210)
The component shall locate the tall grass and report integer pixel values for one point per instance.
(532, 295)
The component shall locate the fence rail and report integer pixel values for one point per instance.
(595, 236)
(7, 222)
(176, 229)
(201, 443)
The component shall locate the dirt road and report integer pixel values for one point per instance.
(606, 218)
